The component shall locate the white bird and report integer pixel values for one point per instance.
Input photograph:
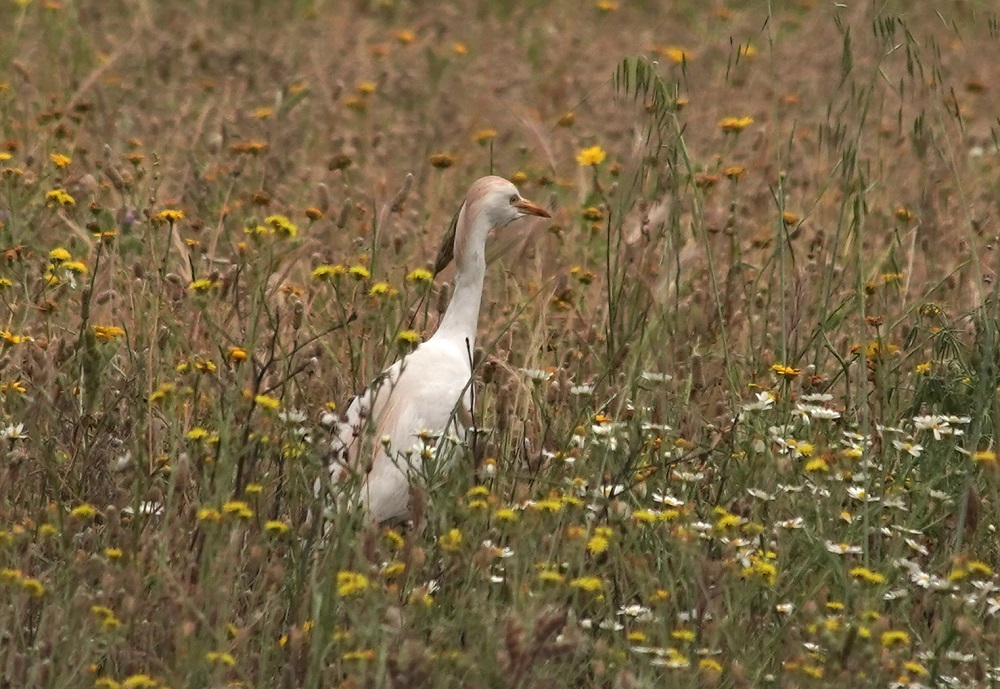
(419, 398)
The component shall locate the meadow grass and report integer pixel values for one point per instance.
(737, 399)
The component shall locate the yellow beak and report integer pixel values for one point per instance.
(526, 206)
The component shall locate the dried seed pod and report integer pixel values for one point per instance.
(323, 197)
(112, 172)
(345, 213)
(404, 191)
(444, 296)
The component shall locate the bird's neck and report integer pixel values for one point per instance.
(461, 318)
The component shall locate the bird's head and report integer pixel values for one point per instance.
(492, 203)
(500, 202)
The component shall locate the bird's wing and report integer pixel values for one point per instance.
(357, 424)
(425, 391)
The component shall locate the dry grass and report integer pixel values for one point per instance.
(209, 235)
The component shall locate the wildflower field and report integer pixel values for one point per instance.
(736, 400)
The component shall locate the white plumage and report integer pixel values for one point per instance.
(426, 394)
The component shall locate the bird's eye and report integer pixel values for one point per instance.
(513, 200)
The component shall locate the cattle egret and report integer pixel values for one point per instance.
(420, 398)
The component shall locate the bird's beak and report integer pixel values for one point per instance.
(529, 208)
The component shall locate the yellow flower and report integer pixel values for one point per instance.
(168, 215)
(359, 272)
(683, 635)
(607, 5)
(380, 289)
(451, 541)
(282, 225)
(59, 160)
(364, 654)
(59, 197)
(459, 48)
(484, 135)
(13, 386)
(276, 526)
(804, 449)
(408, 337)
(237, 508)
(867, 575)
(923, 369)
(139, 681)
(77, 267)
(107, 332)
(209, 514)
(817, 465)
(550, 576)
(979, 567)
(262, 113)
(202, 285)
(727, 520)
(404, 36)
(327, 272)
(985, 457)
(735, 124)
(813, 671)
(350, 583)
(83, 511)
(106, 615)
(113, 553)
(59, 255)
(787, 372)
(237, 354)
(220, 658)
(393, 539)
(34, 587)
(251, 146)
(393, 569)
(584, 276)
(762, 569)
(420, 275)
(589, 584)
(675, 54)
(12, 339)
(597, 545)
(709, 665)
(894, 637)
(957, 574)
(594, 155)
(505, 514)
(267, 402)
(11, 576)
(442, 161)
(197, 433)
(366, 88)
(200, 365)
